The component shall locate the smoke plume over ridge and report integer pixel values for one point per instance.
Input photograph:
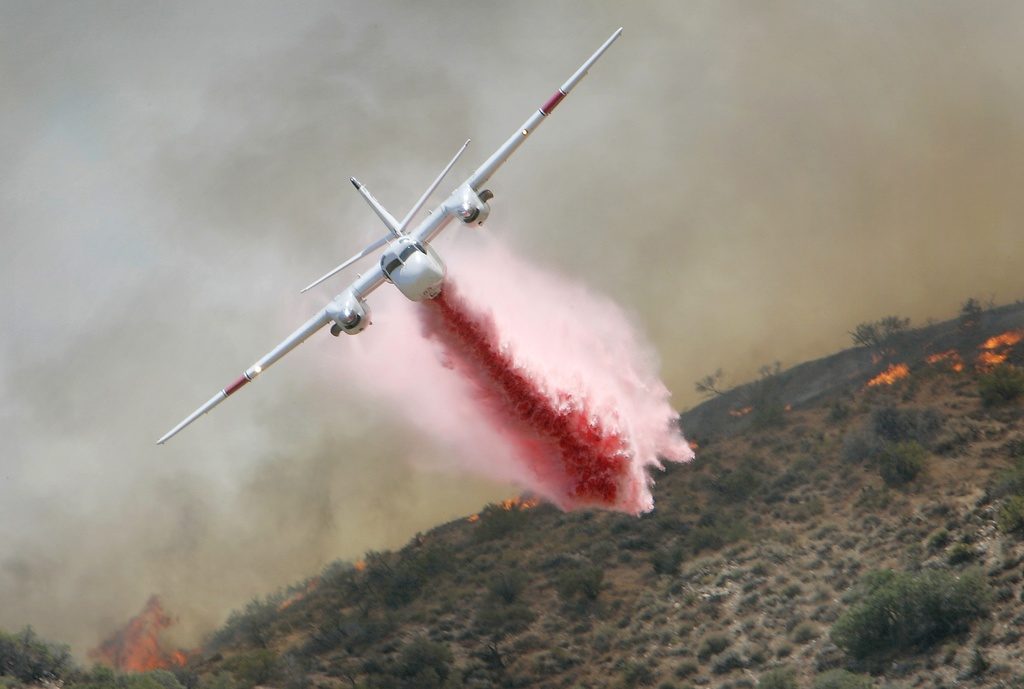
(747, 180)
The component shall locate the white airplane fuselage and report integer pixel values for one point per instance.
(414, 268)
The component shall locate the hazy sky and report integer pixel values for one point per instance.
(748, 179)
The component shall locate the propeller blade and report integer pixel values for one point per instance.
(370, 248)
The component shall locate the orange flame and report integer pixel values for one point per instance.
(473, 518)
(952, 357)
(1007, 339)
(360, 565)
(137, 647)
(519, 503)
(694, 445)
(299, 595)
(890, 375)
(995, 350)
(740, 412)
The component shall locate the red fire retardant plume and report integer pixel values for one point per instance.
(523, 376)
(556, 436)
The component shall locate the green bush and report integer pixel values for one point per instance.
(637, 674)
(421, 664)
(779, 678)
(805, 632)
(939, 540)
(1011, 515)
(581, 582)
(713, 644)
(1002, 386)
(897, 425)
(497, 521)
(908, 611)
(253, 667)
(901, 463)
(842, 679)
(499, 620)
(507, 586)
(30, 659)
(961, 553)
(667, 560)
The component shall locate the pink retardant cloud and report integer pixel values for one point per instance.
(526, 377)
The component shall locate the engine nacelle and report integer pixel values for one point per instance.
(473, 208)
(414, 268)
(350, 314)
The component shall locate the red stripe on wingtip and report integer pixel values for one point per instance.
(552, 102)
(242, 380)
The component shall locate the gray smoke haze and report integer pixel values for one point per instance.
(749, 179)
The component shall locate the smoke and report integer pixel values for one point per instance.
(550, 386)
(748, 181)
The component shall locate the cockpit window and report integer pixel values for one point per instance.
(391, 266)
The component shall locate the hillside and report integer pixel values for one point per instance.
(853, 521)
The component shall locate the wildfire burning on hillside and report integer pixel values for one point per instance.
(996, 350)
(950, 358)
(890, 375)
(138, 646)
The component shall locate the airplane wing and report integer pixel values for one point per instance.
(294, 340)
(363, 285)
(505, 151)
(439, 218)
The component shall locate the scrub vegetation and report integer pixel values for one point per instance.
(864, 537)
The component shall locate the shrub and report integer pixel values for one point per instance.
(779, 678)
(581, 582)
(1002, 386)
(253, 667)
(30, 659)
(686, 668)
(712, 644)
(497, 521)
(897, 425)
(667, 560)
(879, 332)
(637, 674)
(727, 662)
(907, 611)
(939, 540)
(841, 679)
(961, 553)
(804, 632)
(900, 464)
(499, 620)
(423, 664)
(1009, 482)
(861, 445)
(1011, 515)
(507, 586)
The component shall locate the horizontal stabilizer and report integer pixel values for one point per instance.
(369, 249)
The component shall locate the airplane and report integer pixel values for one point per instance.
(408, 262)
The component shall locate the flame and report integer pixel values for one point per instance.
(1007, 339)
(952, 357)
(693, 445)
(137, 647)
(299, 595)
(519, 503)
(890, 375)
(360, 565)
(473, 518)
(740, 412)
